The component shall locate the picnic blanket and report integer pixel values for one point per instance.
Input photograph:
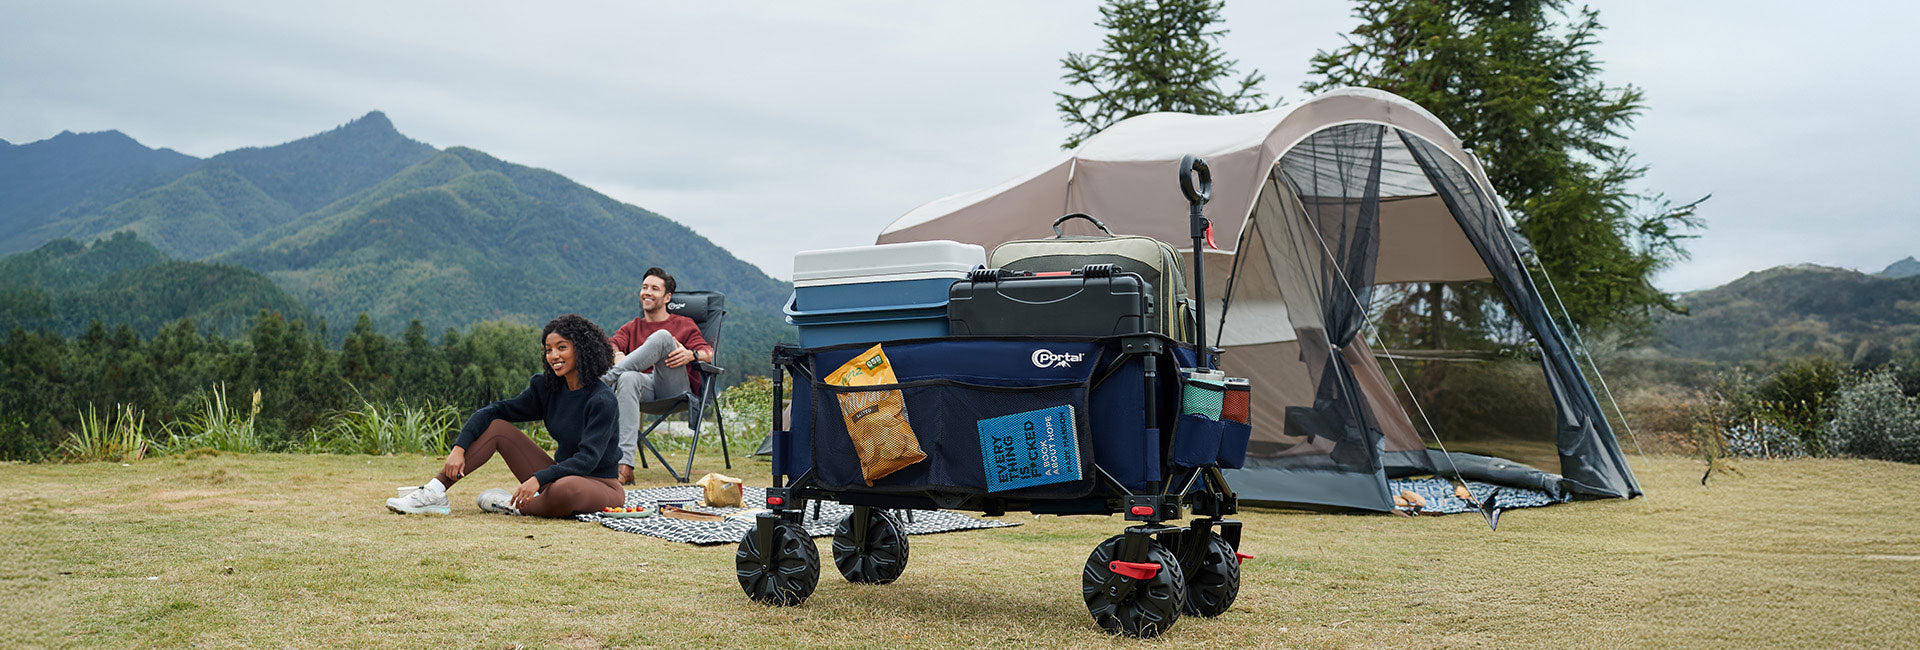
(1441, 501)
(729, 531)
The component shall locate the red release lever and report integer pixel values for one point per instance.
(775, 501)
(1141, 511)
(1243, 556)
(1135, 570)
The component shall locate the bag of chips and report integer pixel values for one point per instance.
(876, 420)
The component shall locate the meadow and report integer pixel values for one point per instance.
(209, 548)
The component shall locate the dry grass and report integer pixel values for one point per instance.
(281, 550)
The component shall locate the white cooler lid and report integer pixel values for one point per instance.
(882, 262)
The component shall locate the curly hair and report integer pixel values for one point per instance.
(592, 354)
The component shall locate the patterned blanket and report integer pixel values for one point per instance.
(918, 522)
(1441, 501)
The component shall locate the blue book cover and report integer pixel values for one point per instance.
(1030, 448)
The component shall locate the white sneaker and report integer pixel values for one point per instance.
(421, 502)
(496, 500)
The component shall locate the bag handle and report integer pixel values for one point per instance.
(1057, 233)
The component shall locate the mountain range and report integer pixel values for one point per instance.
(1799, 310)
(362, 219)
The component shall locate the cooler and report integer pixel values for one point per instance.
(885, 292)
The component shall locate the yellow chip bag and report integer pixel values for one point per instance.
(876, 420)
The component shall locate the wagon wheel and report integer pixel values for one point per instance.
(1150, 608)
(783, 574)
(884, 556)
(1216, 579)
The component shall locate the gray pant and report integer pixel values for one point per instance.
(631, 387)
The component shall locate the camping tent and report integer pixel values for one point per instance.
(1313, 204)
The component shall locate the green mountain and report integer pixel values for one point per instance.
(1905, 268)
(362, 219)
(76, 172)
(238, 194)
(1792, 311)
(64, 286)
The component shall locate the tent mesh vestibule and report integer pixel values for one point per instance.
(1320, 201)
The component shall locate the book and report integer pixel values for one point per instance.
(1038, 447)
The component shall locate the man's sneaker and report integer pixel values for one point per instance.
(421, 502)
(496, 500)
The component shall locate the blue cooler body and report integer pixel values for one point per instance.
(886, 292)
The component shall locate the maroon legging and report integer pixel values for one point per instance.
(565, 497)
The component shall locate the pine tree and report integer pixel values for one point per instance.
(1158, 55)
(1518, 82)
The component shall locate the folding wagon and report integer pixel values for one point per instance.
(1133, 423)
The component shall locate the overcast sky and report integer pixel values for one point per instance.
(773, 127)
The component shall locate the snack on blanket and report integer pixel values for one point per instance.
(876, 420)
(721, 491)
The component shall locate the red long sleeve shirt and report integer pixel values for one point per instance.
(635, 332)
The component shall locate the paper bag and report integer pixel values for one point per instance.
(722, 491)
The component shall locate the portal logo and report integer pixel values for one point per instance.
(1044, 358)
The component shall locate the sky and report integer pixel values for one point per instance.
(776, 127)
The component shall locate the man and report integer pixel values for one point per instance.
(652, 359)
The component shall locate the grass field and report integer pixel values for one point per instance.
(286, 550)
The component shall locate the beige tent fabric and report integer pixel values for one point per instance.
(1420, 242)
(1126, 174)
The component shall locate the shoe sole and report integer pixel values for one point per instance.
(429, 510)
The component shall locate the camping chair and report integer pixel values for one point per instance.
(707, 309)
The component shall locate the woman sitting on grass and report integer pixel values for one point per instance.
(580, 412)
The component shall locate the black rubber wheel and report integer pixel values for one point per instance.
(1151, 608)
(885, 555)
(789, 578)
(1215, 581)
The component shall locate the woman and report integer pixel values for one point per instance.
(580, 413)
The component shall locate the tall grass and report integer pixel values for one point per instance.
(381, 430)
(120, 436)
(217, 427)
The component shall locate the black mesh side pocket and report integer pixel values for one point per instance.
(1016, 441)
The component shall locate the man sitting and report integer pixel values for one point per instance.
(652, 357)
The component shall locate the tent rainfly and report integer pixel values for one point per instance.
(1313, 204)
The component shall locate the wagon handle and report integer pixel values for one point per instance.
(1197, 196)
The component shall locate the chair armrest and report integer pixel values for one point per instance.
(707, 368)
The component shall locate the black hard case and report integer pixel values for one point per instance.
(1092, 301)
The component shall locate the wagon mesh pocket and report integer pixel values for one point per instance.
(977, 438)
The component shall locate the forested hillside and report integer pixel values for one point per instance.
(75, 173)
(119, 280)
(1794, 311)
(361, 219)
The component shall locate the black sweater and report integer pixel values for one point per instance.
(583, 423)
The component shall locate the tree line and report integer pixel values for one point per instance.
(50, 379)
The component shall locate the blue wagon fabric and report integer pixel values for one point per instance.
(730, 531)
(950, 385)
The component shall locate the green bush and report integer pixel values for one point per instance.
(381, 430)
(217, 427)
(1872, 418)
(122, 435)
(748, 406)
(1798, 397)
